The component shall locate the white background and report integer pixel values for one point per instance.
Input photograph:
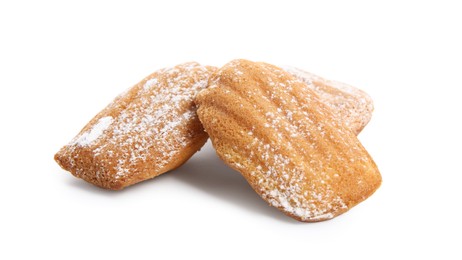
(62, 61)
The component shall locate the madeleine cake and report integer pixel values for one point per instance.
(148, 130)
(285, 141)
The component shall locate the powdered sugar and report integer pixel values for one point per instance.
(149, 125)
(280, 182)
(150, 83)
(166, 106)
(290, 147)
(351, 106)
(95, 132)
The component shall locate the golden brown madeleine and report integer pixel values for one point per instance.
(350, 105)
(276, 132)
(148, 130)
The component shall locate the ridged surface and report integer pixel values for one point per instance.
(350, 105)
(148, 130)
(273, 129)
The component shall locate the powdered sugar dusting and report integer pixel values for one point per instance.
(351, 106)
(293, 151)
(165, 105)
(150, 127)
(283, 184)
(150, 83)
(95, 132)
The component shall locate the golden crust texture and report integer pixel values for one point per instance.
(274, 130)
(148, 130)
(350, 105)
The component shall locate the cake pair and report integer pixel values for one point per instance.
(291, 134)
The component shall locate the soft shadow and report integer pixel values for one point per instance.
(208, 173)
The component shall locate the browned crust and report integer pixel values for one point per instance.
(142, 140)
(285, 141)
